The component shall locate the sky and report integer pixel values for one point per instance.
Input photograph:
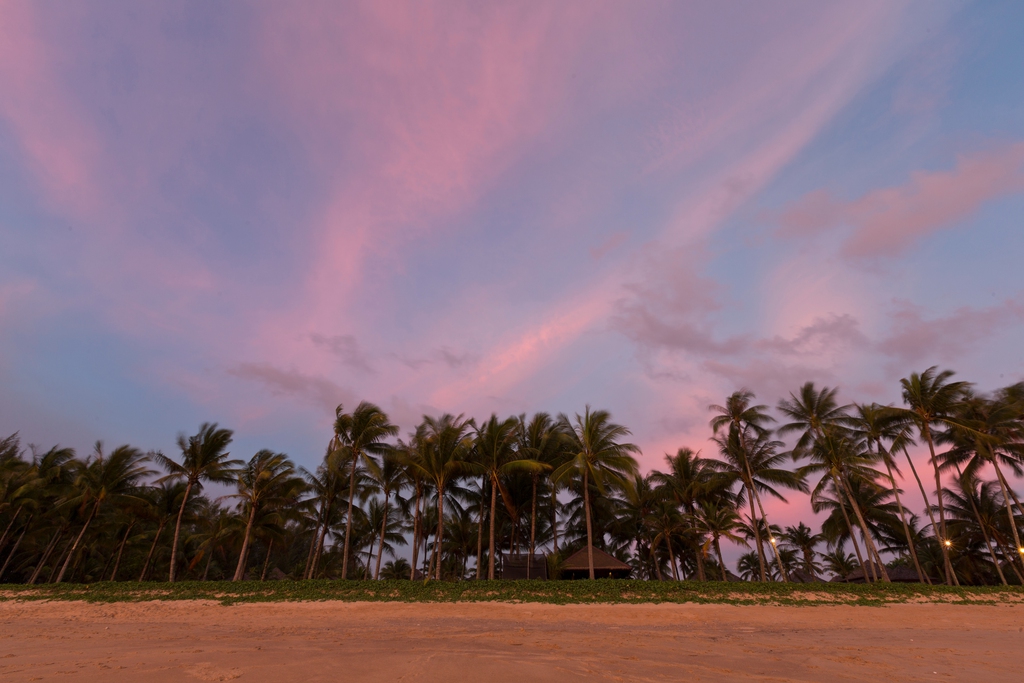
(251, 212)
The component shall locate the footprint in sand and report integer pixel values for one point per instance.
(206, 671)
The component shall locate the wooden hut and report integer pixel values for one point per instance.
(524, 567)
(577, 566)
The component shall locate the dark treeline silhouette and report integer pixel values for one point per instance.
(457, 495)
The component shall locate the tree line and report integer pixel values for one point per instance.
(457, 495)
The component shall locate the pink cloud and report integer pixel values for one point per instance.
(913, 338)
(890, 220)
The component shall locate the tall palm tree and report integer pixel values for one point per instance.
(363, 433)
(448, 445)
(497, 455)
(595, 454)
(104, 478)
(876, 425)
(803, 539)
(933, 400)
(720, 520)
(541, 442)
(204, 457)
(391, 479)
(268, 480)
(838, 458)
(742, 421)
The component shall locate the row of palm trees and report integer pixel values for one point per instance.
(456, 496)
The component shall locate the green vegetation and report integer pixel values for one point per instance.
(466, 494)
(601, 591)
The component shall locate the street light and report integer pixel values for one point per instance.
(949, 544)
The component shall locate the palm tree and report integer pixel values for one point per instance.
(838, 458)
(933, 400)
(739, 417)
(841, 564)
(802, 539)
(362, 433)
(448, 445)
(541, 442)
(595, 454)
(204, 457)
(268, 480)
(877, 424)
(160, 504)
(719, 518)
(497, 456)
(105, 478)
(391, 480)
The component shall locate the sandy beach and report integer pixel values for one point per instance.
(333, 641)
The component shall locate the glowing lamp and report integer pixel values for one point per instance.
(949, 544)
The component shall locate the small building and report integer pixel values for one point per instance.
(801, 575)
(523, 567)
(577, 566)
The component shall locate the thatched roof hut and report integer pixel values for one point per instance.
(577, 566)
(524, 567)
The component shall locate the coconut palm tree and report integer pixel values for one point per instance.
(497, 456)
(933, 400)
(720, 520)
(363, 433)
(876, 425)
(541, 441)
(595, 454)
(743, 421)
(448, 446)
(391, 479)
(204, 458)
(105, 478)
(803, 539)
(267, 481)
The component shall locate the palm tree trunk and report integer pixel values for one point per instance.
(655, 561)
(242, 556)
(266, 562)
(10, 525)
(152, 549)
(672, 558)
(921, 576)
(74, 548)
(927, 506)
(1006, 553)
(209, 560)
(771, 540)
(323, 539)
(721, 560)
(312, 549)
(177, 532)
(699, 550)
(18, 543)
(849, 527)
(46, 554)
(590, 531)
(1009, 513)
(865, 532)
(440, 526)
(554, 516)
(981, 523)
(950, 574)
(490, 553)
(416, 532)
(369, 557)
(120, 550)
(383, 533)
(57, 564)
(757, 534)
(533, 526)
(480, 531)
(348, 518)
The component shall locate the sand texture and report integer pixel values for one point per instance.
(333, 641)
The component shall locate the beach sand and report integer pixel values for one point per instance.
(333, 641)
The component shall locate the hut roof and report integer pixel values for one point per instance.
(896, 574)
(602, 561)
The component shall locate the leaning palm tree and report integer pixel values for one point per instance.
(105, 478)
(204, 457)
(932, 400)
(738, 417)
(362, 433)
(448, 445)
(268, 480)
(595, 454)
(876, 425)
